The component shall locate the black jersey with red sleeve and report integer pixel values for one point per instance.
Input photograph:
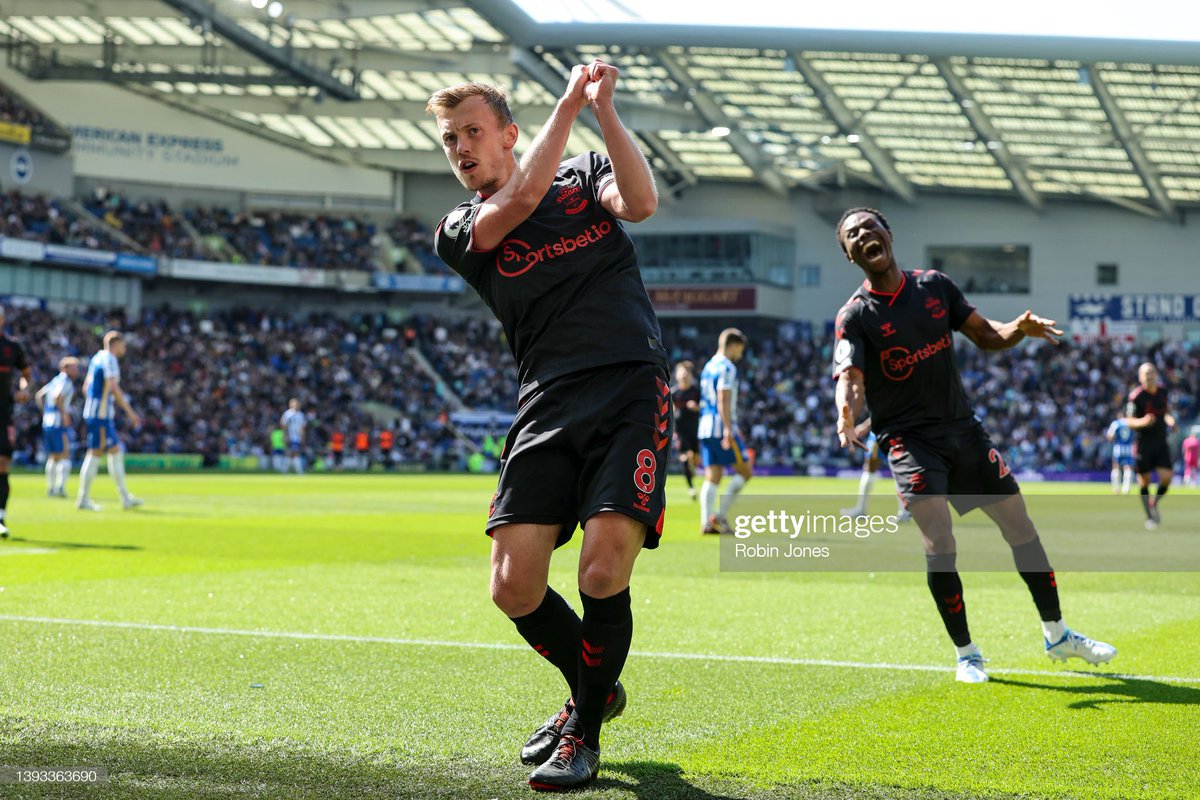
(12, 362)
(903, 344)
(1141, 403)
(565, 283)
(687, 420)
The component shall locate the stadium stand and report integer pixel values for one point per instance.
(214, 233)
(42, 219)
(220, 382)
(15, 110)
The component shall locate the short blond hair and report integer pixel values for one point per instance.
(446, 99)
(110, 337)
(67, 361)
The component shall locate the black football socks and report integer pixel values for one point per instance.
(946, 588)
(605, 637)
(553, 631)
(1035, 570)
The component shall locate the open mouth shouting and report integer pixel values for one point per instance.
(467, 167)
(872, 249)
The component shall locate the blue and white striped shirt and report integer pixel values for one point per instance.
(60, 386)
(98, 401)
(718, 374)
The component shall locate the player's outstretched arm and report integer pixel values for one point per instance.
(988, 334)
(510, 206)
(850, 400)
(632, 196)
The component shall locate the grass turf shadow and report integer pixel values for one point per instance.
(1121, 689)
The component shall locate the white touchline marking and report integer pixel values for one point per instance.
(27, 551)
(797, 662)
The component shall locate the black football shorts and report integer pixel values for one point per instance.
(1153, 453)
(591, 441)
(958, 462)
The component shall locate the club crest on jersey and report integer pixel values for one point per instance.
(842, 355)
(935, 308)
(571, 199)
(454, 222)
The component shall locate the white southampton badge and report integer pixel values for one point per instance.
(454, 222)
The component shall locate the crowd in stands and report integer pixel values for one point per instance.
(271, 238)
(218, 384)
(14, 110)
(38, 218)
(1046, 406)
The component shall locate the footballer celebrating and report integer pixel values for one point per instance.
(1146, 413)
(894, 352)
(542, 243)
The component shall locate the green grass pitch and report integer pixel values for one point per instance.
(332, 637)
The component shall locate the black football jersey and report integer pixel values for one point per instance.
(687, 421)
(565, 283)
(1142, 403)
(12, 362)
(903, 343)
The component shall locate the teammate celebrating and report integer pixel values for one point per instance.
(1146, 412)
(1191, 458)
(102, 392)
(894, 351)
(542, 244)
(12, 359)
(1121, 436)
(686, 398)
(55, 401)
(720, 444)
(294, 423)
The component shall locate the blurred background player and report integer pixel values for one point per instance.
(871, 463)
(294, 424)
(686, 399)
(1121, 436)
(895, 354)
(12, 360)
(1147, 413)
(102, 394)
(1191, 458)
(720, 444)
(55, 401)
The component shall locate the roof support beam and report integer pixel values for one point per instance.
(751, 154)
(483, 58)
(1133, 148)
(279, 57)
(669, 157)
(880, 161)
(987, 132)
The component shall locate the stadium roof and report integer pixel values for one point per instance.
(908, 112)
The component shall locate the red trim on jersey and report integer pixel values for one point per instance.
(893, 295)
